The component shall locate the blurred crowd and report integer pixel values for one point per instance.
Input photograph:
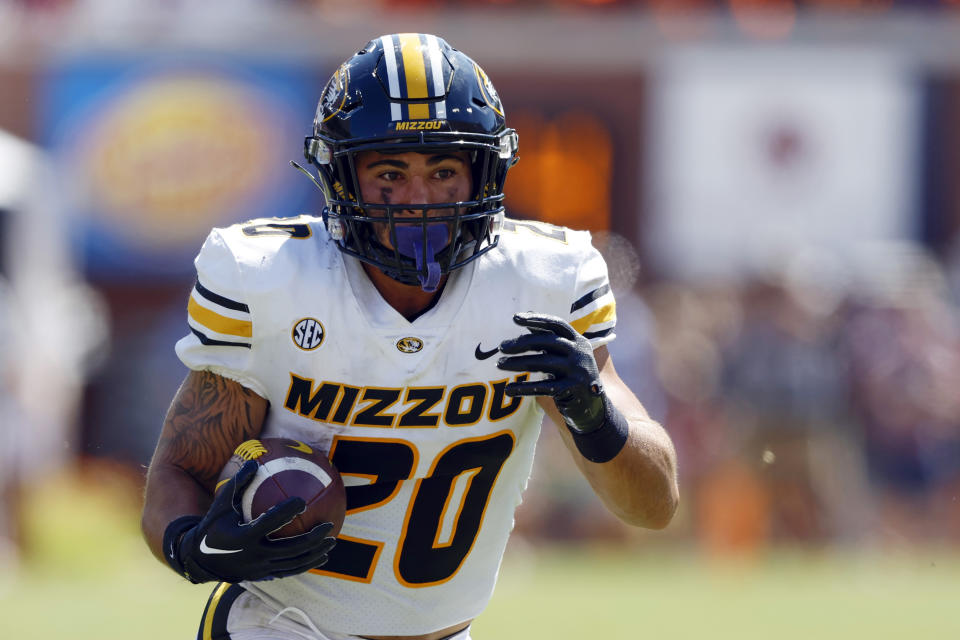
(808, 406)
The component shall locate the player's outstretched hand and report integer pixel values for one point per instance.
(221, 547)
(556, 349)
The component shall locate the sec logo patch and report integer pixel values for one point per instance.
(409, 345)
(308, 334)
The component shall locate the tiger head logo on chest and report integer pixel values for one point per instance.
(409, 344)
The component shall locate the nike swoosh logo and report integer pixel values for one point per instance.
(205, 548)
(480, 354)
(301, 447)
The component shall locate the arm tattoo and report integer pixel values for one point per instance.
(209, 417)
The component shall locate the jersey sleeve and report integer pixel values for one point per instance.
(593, 310)
(218, 317)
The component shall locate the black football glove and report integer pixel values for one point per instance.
(573, 380)
(220, 547)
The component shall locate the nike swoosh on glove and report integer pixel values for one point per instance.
(221, 547)
(556, 349)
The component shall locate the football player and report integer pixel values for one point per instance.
(416, 335)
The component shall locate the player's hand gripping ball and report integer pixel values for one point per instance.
(289, 468)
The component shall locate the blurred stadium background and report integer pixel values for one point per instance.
(774, 183)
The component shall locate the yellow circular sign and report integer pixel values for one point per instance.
(176, 154)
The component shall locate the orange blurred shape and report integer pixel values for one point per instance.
(765, 19)
(681, 19)
(564, 173)
(733, 510)
(680, 7)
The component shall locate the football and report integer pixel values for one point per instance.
(289, 468)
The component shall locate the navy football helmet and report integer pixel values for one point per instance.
(412, 92)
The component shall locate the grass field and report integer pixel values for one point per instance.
(88, 576)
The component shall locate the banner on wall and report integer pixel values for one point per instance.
(753, 158)
(153, 154)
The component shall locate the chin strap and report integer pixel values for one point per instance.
(410, 243)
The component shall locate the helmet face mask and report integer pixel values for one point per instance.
(446, 105)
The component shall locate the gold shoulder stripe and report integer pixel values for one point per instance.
(220, 324)
(604, 314)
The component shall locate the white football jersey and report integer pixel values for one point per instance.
(434, 455)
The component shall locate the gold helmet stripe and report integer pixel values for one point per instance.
(393, 76)
(414, 68)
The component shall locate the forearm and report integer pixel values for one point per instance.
(209, 416)
(639, 485)
(170, 493)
